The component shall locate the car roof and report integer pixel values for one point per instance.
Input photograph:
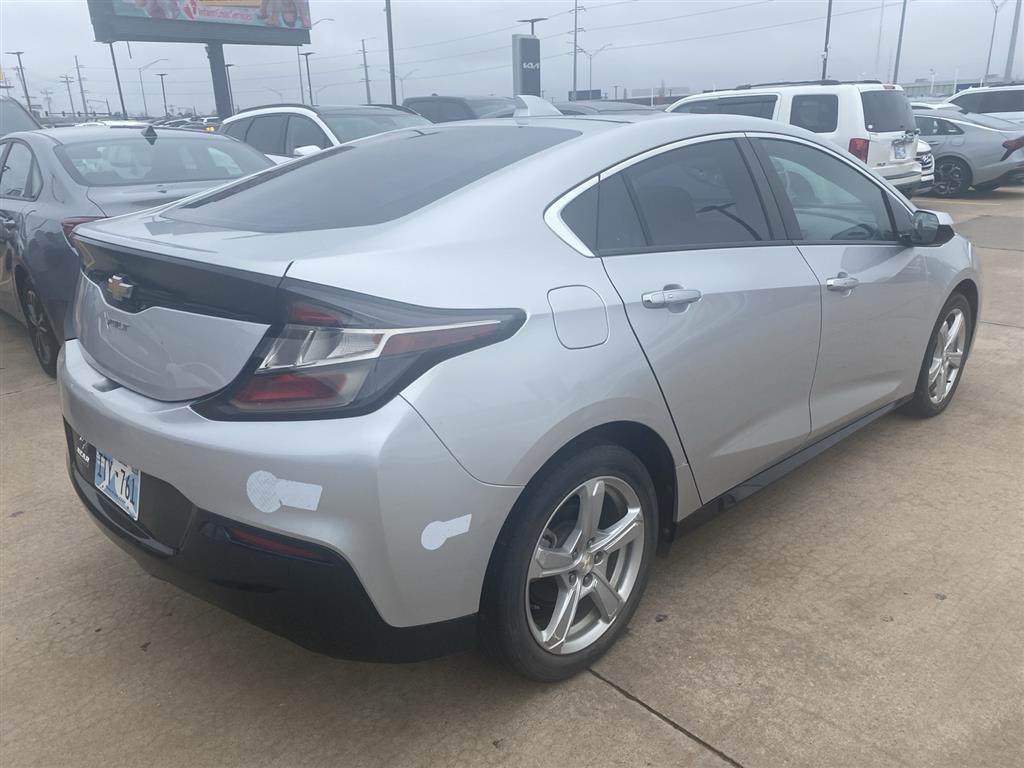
(321, 109)
(606, 105)
(75, 134)
(827, 87)
(997, 87)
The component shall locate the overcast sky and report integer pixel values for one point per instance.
(464, 47)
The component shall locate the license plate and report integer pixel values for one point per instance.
(899, 150)
(119, 482)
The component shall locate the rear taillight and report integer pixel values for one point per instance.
(69, 224)
(1012, 145)
(338, 353)
(859, 149)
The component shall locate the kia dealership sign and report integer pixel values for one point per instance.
(525, 65)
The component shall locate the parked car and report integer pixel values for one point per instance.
(447, 109)
(385, 421)
(873, 121)
(971, 150)
(52, 180)
(601, 107)
(1002, 101)
(286, 131)
(14, 117)
(927, 161)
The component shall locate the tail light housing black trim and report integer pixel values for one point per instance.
(334, 353)
(1011, 146)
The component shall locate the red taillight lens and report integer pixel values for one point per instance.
(337, 353)
(859, 149)
(69, 224)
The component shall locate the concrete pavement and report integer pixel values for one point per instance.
(868, 610)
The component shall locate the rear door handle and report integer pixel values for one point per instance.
(842, 282)
(670, 296)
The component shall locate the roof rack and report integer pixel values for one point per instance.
(748, 86)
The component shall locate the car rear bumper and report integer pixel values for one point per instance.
(380, 481)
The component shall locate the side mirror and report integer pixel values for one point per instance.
(924, 229)
(305, 151)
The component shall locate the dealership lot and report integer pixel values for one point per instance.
(866, 610)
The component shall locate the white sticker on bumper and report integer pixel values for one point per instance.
(267, 493)
(439, 531)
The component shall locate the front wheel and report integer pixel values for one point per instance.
(40, 332)
(944, 359)
(570, 567)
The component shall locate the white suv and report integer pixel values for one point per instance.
(1003, 101)
(870, 120)
(284, 131)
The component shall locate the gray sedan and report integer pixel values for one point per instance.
(460, 383)
(971, 150)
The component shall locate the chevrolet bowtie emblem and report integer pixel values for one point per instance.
(119, 288)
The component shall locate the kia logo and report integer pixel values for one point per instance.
(531, 65)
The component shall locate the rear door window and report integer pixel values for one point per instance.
(267, 134)
(887, 111)
(378, 179)
(754, 106)
(817, 112)
(698, 196)
(17, 178)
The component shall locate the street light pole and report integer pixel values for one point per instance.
(995, 18)
(391, 51)
(163, 90)
(117, 77)
(532, 21)
(824, 53)
(145, 107)
(366, 70)
(575, 43)
(298, 60)
(309, 80)
(1008, 72)
(401, 79)
(24, 83)
(899, 44)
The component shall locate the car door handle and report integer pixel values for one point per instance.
(670, 297)
(842, 282)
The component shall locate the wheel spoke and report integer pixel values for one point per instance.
(934, 373)
(562, 617)
(621, 533)
(953, 332)
(550, 562)
(605, 597)
(591, 504)
(955, 358)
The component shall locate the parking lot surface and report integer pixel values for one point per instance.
(867, 610)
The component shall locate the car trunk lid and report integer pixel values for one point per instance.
(118, 200)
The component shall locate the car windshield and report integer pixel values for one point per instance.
(13, 117)
(490, 107)
(887, 111)
(123, 160)
(370, 182)
(349, 126)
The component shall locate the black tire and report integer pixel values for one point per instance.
(922, 405)
(952, 177)
(988, 186)
(40, 331)
(504, 624)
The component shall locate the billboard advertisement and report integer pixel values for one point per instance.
(266, 22)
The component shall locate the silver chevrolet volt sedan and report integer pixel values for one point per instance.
(459, 383)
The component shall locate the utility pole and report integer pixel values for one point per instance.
(899, 45)
(298, 60)
(163, 90)
(117, 77)
(824, 53)
(109, 113)
(575, 44)
(1008, 71)
(995, 18)
(391, 51)
(366, 70)
(67, 80)
(48, 98)
(878, 45)
(81, 86)
(309, 80)
(21, 75)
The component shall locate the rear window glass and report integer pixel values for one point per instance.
(355, 126)
(124, 160)
(370, 182)
(887, 111)
(818, 113)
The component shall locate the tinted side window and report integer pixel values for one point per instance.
(754, 106)
(618, 226)
(698, 195)
(452, 110)
(705, 107)
(238, 128)
(969, 101)
(1002, 101)
(427, 109)
(267, 134)
(581, 217)
(303, 132)
(16, 176)
(831, 200)
(819, 113)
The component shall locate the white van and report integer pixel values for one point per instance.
(1003, 101)
(871, 120)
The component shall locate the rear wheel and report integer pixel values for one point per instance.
(944, 359)
(952, 177)
(44, 340)
(570, 568)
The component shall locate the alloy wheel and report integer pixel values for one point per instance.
(39, 328)
(947, 356)
(585, 565)
(949, 179)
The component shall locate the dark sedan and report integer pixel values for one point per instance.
(53, 180)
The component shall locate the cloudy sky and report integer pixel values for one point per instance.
(464, 47)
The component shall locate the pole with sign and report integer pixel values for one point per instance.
(525, 65)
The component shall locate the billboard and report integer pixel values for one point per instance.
(241, 22)
(525, 65)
